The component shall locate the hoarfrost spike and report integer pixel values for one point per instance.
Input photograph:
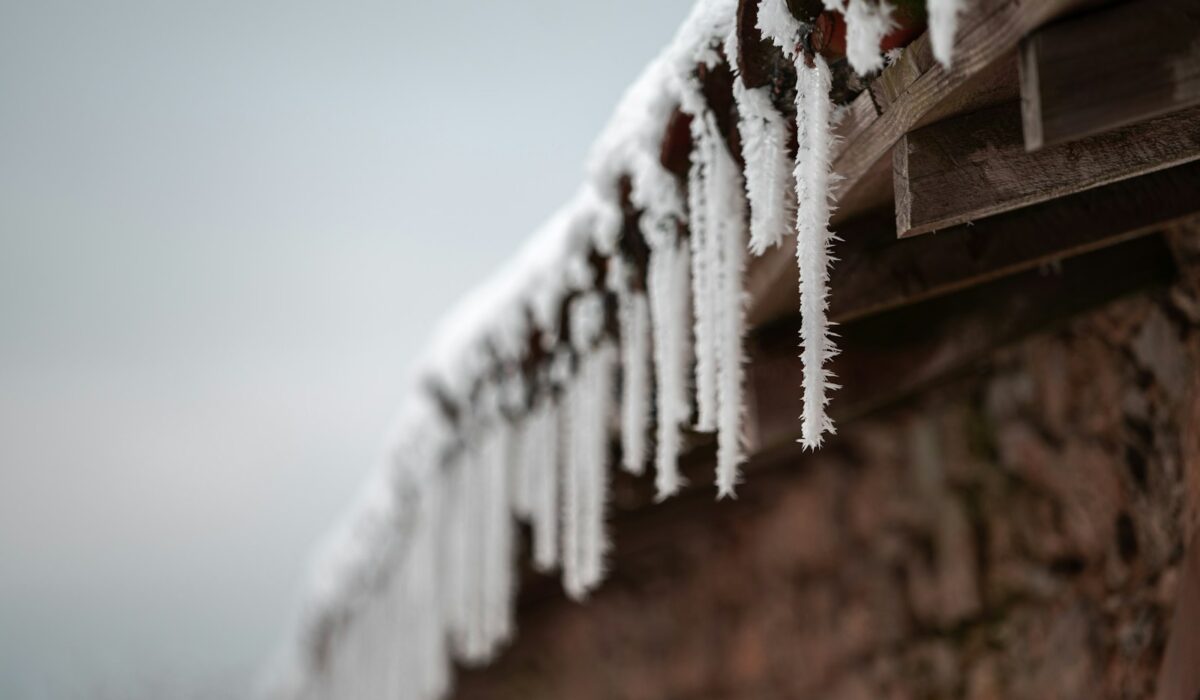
(814, 243)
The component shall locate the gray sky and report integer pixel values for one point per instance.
(226, 228)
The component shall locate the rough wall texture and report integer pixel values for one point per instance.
(1017, 533)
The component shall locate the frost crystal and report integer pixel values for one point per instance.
(814, 242)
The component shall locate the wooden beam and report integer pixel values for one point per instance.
(1115, 66)
(888, 356)
(914, 91)
(975, 165)
(876, 272)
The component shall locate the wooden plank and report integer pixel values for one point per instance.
(918, 91)
(876, 272)
(888, 356)
(976, 165)
(1112, 67)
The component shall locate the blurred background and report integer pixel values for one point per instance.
(226, 228)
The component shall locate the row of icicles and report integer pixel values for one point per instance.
(450, 591)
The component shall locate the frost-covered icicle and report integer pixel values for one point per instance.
(670, 290)
(585, 482)
(634, 317)
(600, 369)
(727, 202)
(545, 436)
(705, 252)
(498, 535)
(814, 242)
(768, 166)
(867, 23)
(943, 26)
(456, 572)
(516, 455)
(430, 675)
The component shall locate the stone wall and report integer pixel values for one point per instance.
(1015, 533)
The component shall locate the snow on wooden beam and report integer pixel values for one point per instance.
(1109, 68)
(976, 165)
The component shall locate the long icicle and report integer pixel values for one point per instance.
(546, 436)
(727, 203)
(814, 243)
(705, 248)
(670, 292)
(599, 383)
(634, 313)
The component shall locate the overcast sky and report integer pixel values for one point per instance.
(226, 227)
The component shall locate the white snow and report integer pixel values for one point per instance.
(943, 27)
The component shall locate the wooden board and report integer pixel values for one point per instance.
(1111, 67)
(888, 356)
(976, 165)
(914, 91)
(877, 272)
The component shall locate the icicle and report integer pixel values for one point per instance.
(943, 27)
(585, 483)
(867, 23)
(634, 313)
(600, 384)
(545, 436)
(814, 242)
(727, 204)
(670, 289)
(424, 595)
(498, 535)
(705, 252)
(768, 168)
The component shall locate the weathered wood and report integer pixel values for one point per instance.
(976, 165)
(876, 272)
(919, 91)
(887, 356)
(1115, 66)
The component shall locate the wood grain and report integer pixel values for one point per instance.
(914, 91)
(1115, 66)
(976, 165)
